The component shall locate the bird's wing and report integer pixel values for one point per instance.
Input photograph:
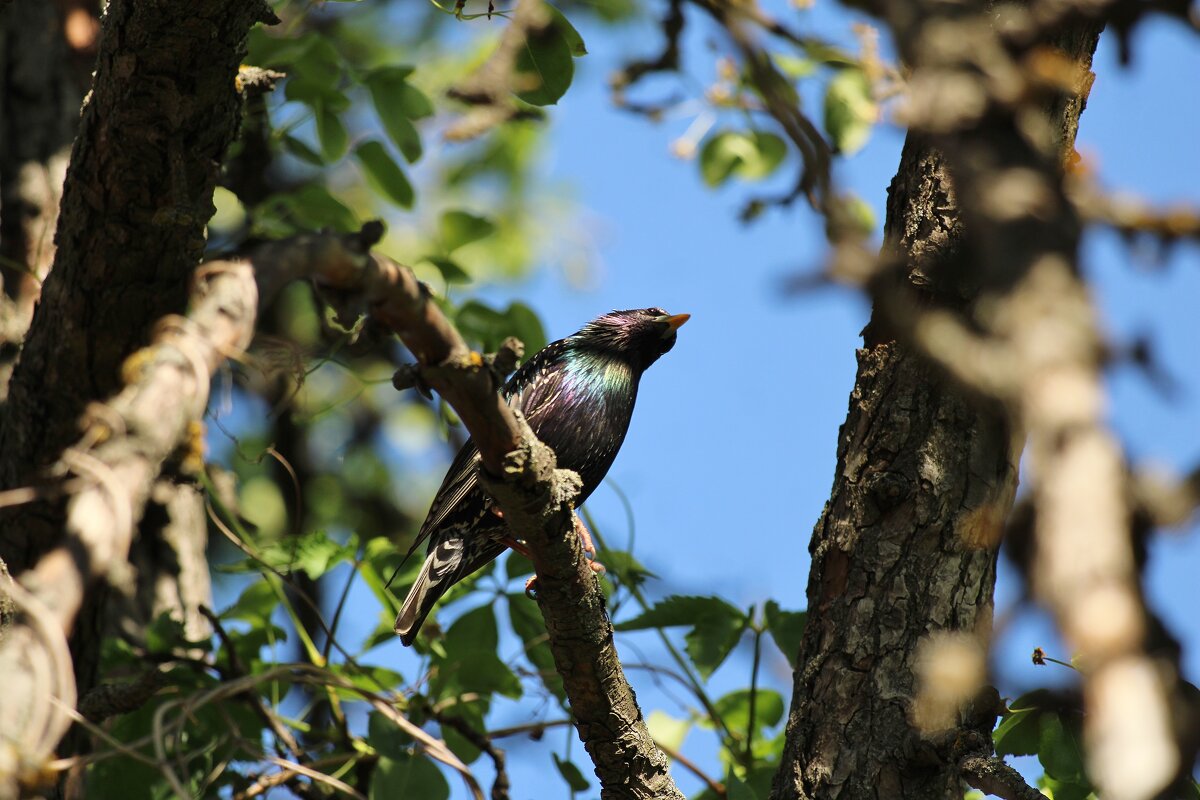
(460, 480)
(531, 389)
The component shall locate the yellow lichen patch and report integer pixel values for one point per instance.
(192, 462)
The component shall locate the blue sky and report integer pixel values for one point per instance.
(731, 454)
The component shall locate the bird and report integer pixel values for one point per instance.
(577, 394)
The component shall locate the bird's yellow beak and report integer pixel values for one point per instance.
(675, 321)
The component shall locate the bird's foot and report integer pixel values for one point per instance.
(589, 547)
(517, 545)
(585, 537)
(531, 587)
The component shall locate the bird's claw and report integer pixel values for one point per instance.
(531, 587)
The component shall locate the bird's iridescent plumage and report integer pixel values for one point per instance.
(578, 395)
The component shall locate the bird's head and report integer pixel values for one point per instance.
(641, 335)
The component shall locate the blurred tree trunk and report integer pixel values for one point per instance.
(116, 242)
(907, 544)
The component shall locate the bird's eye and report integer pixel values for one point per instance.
(655, 312)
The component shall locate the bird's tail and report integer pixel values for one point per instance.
(437, 575)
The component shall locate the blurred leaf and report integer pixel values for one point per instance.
(850, 110)
(527, 622)
(751, 156)
(854, 212)
(408, 777)
(164, 633)
(737, 789)
(571, 774)
(472, 715)
(667, 730)
(451, 271)
(457, 228)
(480, 323)
(523, 322)
(397, 103)
(384, 735)
(1017, 734)
(255, 604)
(574, 40)
(734, 709)
(625, 566)
(787, 629)
(314, 208)
(331, 133)
(716, 627)
(517, 565)
(794, 66)
(313, 552)
(1059, 749)
(1065, 790)
(828, 54)
(384, 174)
(545, 62)
(302, 151)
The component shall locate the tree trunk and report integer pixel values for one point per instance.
(906, 546)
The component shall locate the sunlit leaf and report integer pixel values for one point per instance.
(302, 151)
(850, 110)
(734, 709)
(749, 155)
(397, 103)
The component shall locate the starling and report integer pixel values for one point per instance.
(577, 394)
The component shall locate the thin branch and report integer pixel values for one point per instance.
(993, 776)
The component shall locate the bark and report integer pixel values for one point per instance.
(162, 110)
(907, 544)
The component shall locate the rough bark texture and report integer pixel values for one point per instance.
(907, 544)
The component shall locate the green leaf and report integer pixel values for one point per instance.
(471, 663)
(302, 151)
(667, 730)
(716, 627)
(457, 228)
(1065, 790)
(384, 735)
(1059, 749)
(737, 789)
(384, 174)
(480, 323)
(787, 629)
(451, 271)
(734, 709)
(751, 156)
(255, 604)
(527, 622)
(571, 774)
(574, 40)
(517, 565)
(1017, 734)
(523, 322)
(794, 66)
(545, 64)
(315, 208)
(408, 777)
(397, 103)
(850, 110)
(331, 133)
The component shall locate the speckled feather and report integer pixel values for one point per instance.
(578, 395)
